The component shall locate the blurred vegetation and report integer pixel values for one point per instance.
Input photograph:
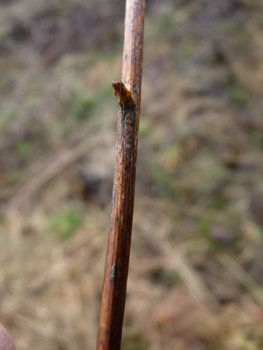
(196, 261)
(64, 222)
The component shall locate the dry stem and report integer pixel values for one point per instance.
(128, 93)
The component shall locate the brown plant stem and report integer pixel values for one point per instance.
(128, 93)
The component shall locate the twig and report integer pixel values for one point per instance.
(128, 93)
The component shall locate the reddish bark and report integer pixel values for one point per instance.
(128, 93)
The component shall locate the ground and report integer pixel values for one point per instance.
(196, 276)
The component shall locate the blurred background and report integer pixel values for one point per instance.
(196, 269)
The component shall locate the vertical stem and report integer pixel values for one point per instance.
(133, 49)
(128, 93)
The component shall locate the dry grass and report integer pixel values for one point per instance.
(195, 278)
